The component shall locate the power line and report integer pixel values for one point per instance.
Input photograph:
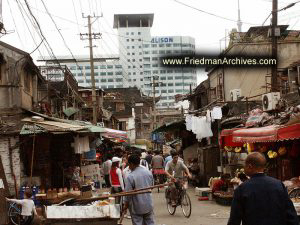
(75, 15)
(65, 43)
(15, 24)
(211, 14)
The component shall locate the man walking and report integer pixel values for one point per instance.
(106, 170)
(141, 205)
(262, 200)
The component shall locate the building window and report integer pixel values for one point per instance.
(162, 52)
(119, 86)
(141, 66)
(162, 71)
(133, 60)
(119, 80)
(178, 84)
(161, 45)
(140, 53)
(118, 73)
(132, 47)
(178, 78)
(168, 52)
(163, 78)
(139, 33)
(141, 79)
(102, 67)
(146, 52)
(133, 53)
(111, 86)
(109, 66)
(87, 67)
(103, 86)
(147, 72)
(110, 80)
(79, 75)
(88, 74)
(154, 45)
(140, 60)
(118, 66)
(169, 71)
(129, 67)
(147, 59)
(128, 53)
(155, 72)
(170, 78)
(73, 68)
(147, 66)
(128, 47)
(170, 84)
(132, 40)
(141, 73)
(102, 73)
(128, 60)
(134, 73)
(154, 52)
(154, 58)
(168, 45)
(127, 40)
(110, 73)
(146, 45)
(103, 80)
(176, 45)
(132, 33)
(179, 91)
(154, 65)
(133, 66)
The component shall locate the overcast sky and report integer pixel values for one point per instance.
(170, 18)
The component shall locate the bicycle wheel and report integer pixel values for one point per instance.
(171, 209)
(186, 205)
(14, 214)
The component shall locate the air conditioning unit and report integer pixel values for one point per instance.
(100, 124)
(270, 100)
(235, 94)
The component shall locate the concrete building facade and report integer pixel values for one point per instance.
(138, 61)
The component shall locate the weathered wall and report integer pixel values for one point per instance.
(5, 156)
(252, 81)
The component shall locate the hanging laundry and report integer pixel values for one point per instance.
(216, 113)
(188, 122)
(201, 127)
(81, 144)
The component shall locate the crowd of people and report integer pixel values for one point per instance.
(138, 170)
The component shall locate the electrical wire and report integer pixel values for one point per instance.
(64, 41)
(211, 14)
(15, 24)
(75, 13)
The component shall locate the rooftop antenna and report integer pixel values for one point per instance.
(239, 22)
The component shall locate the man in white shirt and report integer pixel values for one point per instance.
(106, 169)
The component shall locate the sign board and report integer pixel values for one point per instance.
(162, 40)
(91, 170)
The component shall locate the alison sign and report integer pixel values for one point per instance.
(162, 40)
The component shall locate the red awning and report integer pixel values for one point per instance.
(267, 134)
(226, 138)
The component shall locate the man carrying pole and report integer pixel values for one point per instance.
(141, 205)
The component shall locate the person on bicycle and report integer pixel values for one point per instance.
(157, 165)
(28, 207)
(175, 170)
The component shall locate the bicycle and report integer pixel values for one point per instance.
(182, 200)
(159, 178)
(15, 217)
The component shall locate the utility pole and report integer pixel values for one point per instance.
(154, 84)
(274, 45)
(90, 37)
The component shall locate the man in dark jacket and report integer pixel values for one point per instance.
(262, 200)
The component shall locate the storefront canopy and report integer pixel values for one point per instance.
(267, 134)
(226, 138)
(111, 133)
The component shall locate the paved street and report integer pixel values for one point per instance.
(203, 212)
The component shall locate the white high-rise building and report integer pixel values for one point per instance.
(139, 61)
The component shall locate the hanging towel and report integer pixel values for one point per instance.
(216, 113)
